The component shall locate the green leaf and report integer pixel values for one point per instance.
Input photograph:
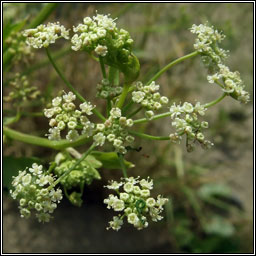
(110, 160)
(93, 162)
(12, 165)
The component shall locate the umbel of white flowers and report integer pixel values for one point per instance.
(64, 115)
(186, 122)
(149, 98)
(115, 131)
(207, 44)
(31, 189)
(44, 35)
(134, 202)
(100, 34)
(233, 84)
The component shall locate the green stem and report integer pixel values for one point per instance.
(102, 66)
(41, 64)
(144, 120)
(121, 161)
(43, 142)
(135, 112)
(72, 167)
(113, 76)
(214, 102)
(149, 137)
(69, 85)
(171, 64)
(127, 106)
(220, 84)
(109, 106)
(122, 97)
(179, 162)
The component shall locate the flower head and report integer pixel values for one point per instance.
(64, 116)
(185, 121)
(135, 203)
(44, 35)
(31, 188)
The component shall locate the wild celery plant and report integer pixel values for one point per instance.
(99, 36)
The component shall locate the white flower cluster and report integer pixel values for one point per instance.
(149, 97)
(106, 90)
(186, 122)
(207, 43)
(135, 203)
(233, 85)
(101, 35)
(18, 48)
(44, 35)
(64, 115)
(31, 188)
(21, 90)
(114, 130)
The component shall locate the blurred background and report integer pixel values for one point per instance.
(211, 192)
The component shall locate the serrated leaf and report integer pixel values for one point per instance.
(12, 165)
(110, 160)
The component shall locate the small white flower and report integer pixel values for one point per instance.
(118, 205)
(99, 139)
(116, 223)
(72, 125)
(26, 179)
(111, 137)
(100, 127)
(188, 107)
(48, 112)
(145, 192)
(101, 50)
(114, 185)
(115, 112)
(150, 202)
(149, 114)
(69, 97)
(72, 135)
(124, 196)
(133, 218)
(56, 101)
(138, 96)
(128, 187)
(164, 100)
(175, 110)
(54, 134)
(87, 108)
(129, 122)
(147, 184)
(117, 143)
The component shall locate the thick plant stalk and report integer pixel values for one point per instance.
(43, 142)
